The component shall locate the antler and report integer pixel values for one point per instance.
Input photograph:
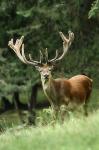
(18, 48)
(66, 44)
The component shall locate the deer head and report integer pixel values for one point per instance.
(44, 65)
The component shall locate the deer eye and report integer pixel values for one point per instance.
(40, 70)
(50, 69)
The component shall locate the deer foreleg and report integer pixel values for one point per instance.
(55, 113)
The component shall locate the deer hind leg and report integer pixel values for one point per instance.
(86, 104)
(85, 109)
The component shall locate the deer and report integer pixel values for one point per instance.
(60, 91)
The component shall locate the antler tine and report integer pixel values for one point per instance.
(41, 56)
(52, 60)
(38, 62)
(71, 37)
(18, 48)
(33, 61)
(19, 42)
(30, 57)
(46, 55)
(66, 44)
(10, 44)
(24, 57)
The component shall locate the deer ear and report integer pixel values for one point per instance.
(50, 63)
(38, 67)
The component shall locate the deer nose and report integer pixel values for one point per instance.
(46, 76)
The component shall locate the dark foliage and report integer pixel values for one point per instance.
(40, 21)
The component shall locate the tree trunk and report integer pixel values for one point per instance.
(32, 104)
(16, 100)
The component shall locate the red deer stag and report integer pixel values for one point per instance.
(61, 91)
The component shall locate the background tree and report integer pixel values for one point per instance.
(94, 12)
(40, 21)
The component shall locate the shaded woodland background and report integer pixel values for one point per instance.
(40, 21)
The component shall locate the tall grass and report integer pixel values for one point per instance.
(75, 134)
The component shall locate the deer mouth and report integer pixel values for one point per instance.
(46, 78)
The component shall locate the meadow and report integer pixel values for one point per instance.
(76, 133)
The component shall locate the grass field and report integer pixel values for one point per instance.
(77, 132)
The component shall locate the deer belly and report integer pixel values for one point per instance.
(74, 101)
(74, 106)
(78, 97)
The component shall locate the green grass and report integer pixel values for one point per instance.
(76, 134)
(10, 118)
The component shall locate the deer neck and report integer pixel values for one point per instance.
(48, 86)
(47, 83)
